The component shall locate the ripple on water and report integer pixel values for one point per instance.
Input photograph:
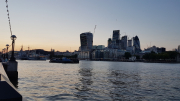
(98, 80)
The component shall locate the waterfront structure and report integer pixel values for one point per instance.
(86, 40)
(98, 47)
(106, 53)
(136, 44)
(179, 48)
(35, 53)
(98, 54)
(84, 55)
(120, 53)
(130, 49)
(8, 92)
(154, 49)
(160, 50)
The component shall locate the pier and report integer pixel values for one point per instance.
(7, 90)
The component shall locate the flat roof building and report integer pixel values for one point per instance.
(86, 40)
(116, 34)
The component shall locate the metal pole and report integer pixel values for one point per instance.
(12, 55)
(7, 53)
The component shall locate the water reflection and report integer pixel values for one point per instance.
(97, 80)
(123, 85)
(85, 82)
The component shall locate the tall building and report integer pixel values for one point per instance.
(116, 35)
(86, 40)
(136, 44)
(129, 43)
(115, 42)
(124, 42)
(179, 48)
(109, 42)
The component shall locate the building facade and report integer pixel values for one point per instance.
(86, 40)
(98, 47)
(109, 42)
(124, 42)
(129, 43)
(136, 44)
(116, 35)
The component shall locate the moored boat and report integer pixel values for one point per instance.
(63, 60)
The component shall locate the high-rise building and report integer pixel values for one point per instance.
(129, 43)
(86, 40)
(124, 42)
(109, 42)
(136, 44)
(116, 35)
(179, 48)
(115, 41)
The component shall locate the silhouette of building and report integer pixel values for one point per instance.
(161, 50)
(115, 42)
(116, 35)
(179, 48)
(86, 40)
(129, 43)
(109, 42)
(124, 42)
(136, 44)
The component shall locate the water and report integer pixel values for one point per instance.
(98, 80)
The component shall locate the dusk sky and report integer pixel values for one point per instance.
(57, 24)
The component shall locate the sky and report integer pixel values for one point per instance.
(57, 24)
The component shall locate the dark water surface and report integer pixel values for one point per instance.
(98, 80)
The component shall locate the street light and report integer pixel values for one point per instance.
(4, 53)
(7, 45)
(13, 38)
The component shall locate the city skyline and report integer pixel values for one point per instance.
(57, 24)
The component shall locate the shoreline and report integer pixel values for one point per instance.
(144, 61)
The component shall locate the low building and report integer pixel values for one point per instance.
(84, 55)
(98, 54)
(98, 47)
(120, 53)
(130, 49)
(161, 50)
(110, 53)
(155, 49)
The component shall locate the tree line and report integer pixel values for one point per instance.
(164, 55)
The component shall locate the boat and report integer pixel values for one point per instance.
(63, 60)
(36, 58)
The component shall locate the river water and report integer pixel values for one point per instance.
(98, 80)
